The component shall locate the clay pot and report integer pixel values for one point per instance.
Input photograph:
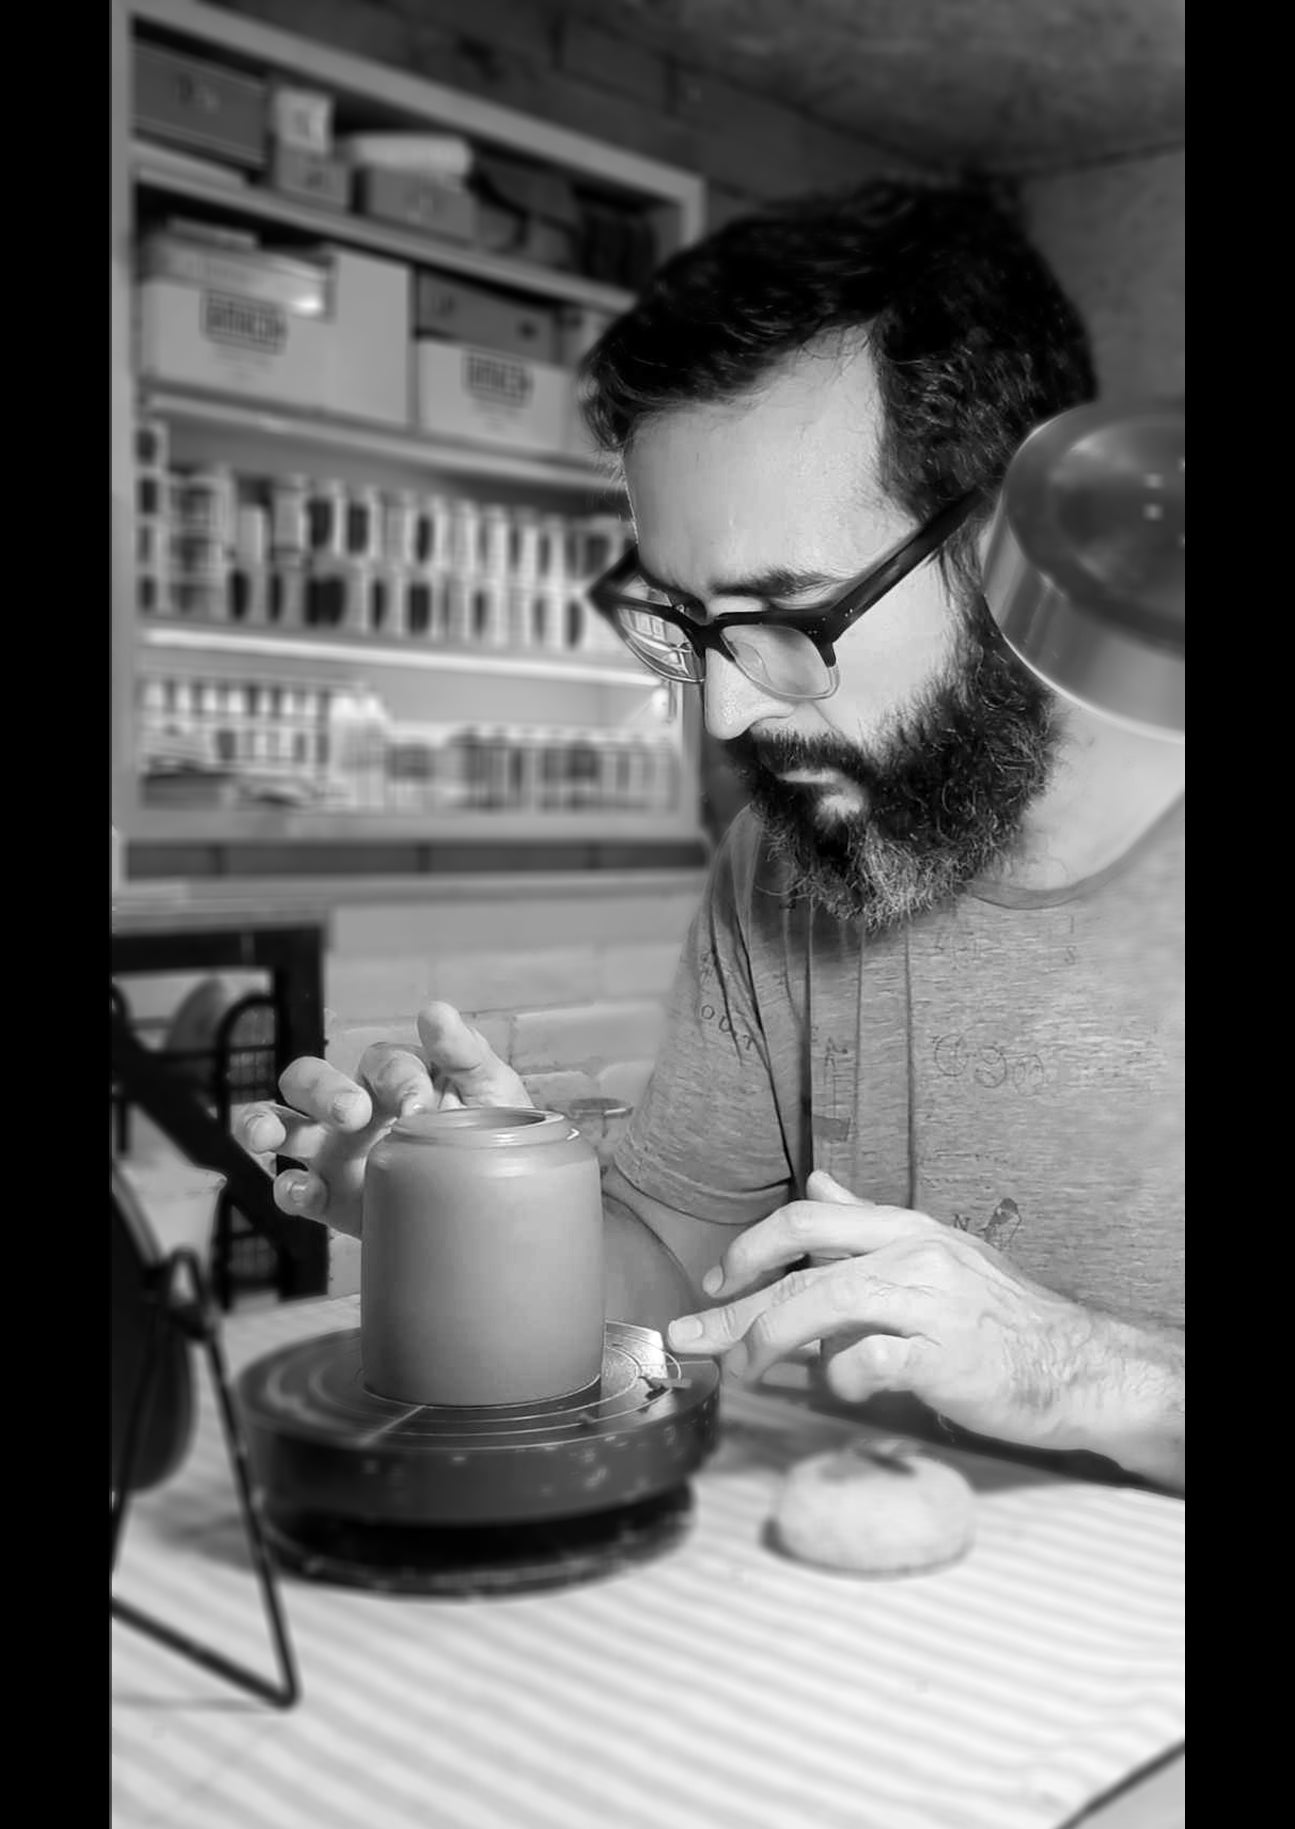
(481, 1269)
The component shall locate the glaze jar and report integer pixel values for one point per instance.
(481, 1268)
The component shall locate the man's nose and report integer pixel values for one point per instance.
(732, 702)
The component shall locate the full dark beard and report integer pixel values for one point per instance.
(944, 800)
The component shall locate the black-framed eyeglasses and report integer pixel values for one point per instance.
(790, 654)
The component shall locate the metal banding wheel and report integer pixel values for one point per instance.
(360, 1488)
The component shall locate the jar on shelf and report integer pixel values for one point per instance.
(400, 514)
(326, 519)
(363, 529)
(289, 519)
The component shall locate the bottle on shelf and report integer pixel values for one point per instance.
(249, 583)
(358, 733)
(202, 540)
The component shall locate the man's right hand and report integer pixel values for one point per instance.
(329, 1123)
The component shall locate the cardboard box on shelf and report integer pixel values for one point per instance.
(298, 171)
(466, 313)
(467, 392)
(196, 103)
(416, 201)
(302, 118)
(352, 359)
(246, 271)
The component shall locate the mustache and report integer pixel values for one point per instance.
(784, 752)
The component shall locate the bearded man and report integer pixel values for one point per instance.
(920, 1093)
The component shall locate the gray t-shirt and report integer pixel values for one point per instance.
(1014, 1061)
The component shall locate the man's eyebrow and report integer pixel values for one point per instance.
(779, 581)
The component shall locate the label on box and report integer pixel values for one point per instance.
(244, 323)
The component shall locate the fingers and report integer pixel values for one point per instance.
(810, 1227)
(464, 1058)
(397, 1078)
(881, 1362)
(305, 1196)
(812, 1304)
(719, 1329)
(278, 1129)
(319, 1091)
(821, 1186)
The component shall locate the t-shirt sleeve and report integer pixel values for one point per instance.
(707, 1137)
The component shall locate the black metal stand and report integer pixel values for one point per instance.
(197, 1318)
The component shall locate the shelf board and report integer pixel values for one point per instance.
(420, 449)
(262, 204)
(372, 825)
(359, 651)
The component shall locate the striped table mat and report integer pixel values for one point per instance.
(721, 1687)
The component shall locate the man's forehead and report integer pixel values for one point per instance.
(812, 428)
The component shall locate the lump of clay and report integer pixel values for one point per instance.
(874, 1508)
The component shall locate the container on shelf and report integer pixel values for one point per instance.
(326, 503)
(198, 103)
(301, 117)
(298, 171)
(362, 534)
(400, 512)
(466, 313)
(352, 358)
(416, 201)
(389, 602)
(289, 517)
(468, 392)
(286, 608)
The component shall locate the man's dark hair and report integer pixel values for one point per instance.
(973, 340)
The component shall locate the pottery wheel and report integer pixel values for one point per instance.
(323, 1445)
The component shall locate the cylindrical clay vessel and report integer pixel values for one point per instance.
(481, 1268)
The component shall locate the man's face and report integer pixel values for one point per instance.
(915, 775)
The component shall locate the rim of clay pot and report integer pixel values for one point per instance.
(485, 1126)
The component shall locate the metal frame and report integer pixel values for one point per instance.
(197, 1319)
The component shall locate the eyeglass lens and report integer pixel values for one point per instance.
(780, 660)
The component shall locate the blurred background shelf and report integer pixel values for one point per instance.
(412, 449)
(363, 651)
(254, 203)
(278, 727)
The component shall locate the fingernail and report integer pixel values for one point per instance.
(412, 1105)
(257, 1136)
(296, 1192)
(345, 1108)
(713, 1281)
(687, 1327)
(736, 1361)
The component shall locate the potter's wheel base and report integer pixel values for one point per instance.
(478, 1561)
(440, 1499)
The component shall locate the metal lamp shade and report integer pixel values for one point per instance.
(1084, 568)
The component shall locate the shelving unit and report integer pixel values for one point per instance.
(424, 679)
(419, 451)
(254, 204)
